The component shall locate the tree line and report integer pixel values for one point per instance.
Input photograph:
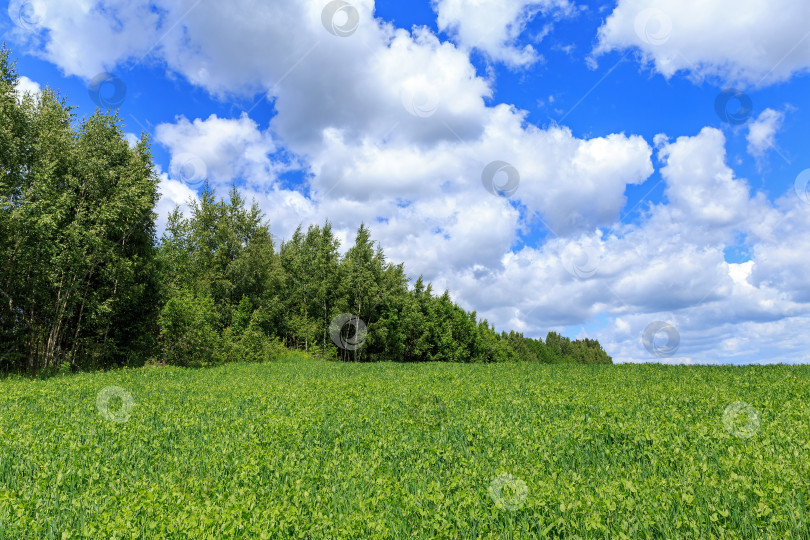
(86, 284)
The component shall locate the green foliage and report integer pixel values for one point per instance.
(218, 270)
(78, 279)
(188, 329)
(250, 345)
(301, 289)
(308, 449)
(561, 350)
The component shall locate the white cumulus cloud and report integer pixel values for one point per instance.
(747, 42)
(762, 132)
(493, 26)
(27, 86)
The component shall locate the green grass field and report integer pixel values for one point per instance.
(306, 449)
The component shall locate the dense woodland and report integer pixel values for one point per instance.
(86, 284)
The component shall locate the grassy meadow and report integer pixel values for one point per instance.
(309, 449)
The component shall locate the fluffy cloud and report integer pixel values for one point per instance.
(738, 41)
(781, 250)
(428, 205)
(85, 38)
(27, 86)
(670, 267)
(493, 26)
(572, 184)
(762, 132)
(700, 184)
(173, 194)
(219, 150)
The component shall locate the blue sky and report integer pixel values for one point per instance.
(637, 203)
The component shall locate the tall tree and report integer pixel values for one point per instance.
(78, 234)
